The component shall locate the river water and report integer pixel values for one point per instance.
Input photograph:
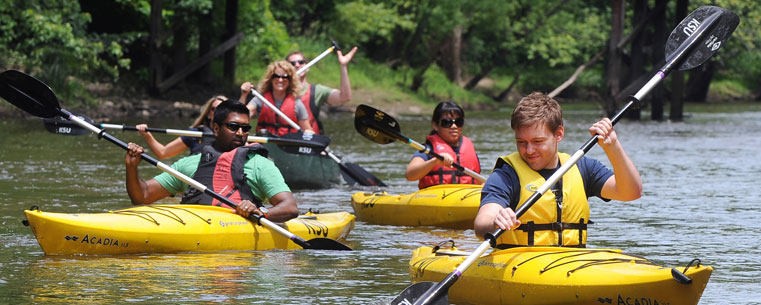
(701, 193)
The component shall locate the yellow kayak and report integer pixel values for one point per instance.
(554, 275)
(448, 205)
(173, 228)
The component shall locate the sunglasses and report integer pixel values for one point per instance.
(275, 75)
(232, 126)
(300, 62)
(447, 122)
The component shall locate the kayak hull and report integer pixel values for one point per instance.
(551, 275)
(173, 228)
(451, 206)
(303, 171)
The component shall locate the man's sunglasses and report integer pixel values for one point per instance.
(275, 75)
(447, 122)
(300, 62)
(232, 126)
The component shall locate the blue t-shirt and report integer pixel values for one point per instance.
(503, 186)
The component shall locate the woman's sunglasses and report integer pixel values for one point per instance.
(299, 62)
(275, 75)
(447, 122)
(232, 126)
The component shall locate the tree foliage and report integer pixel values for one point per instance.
(50, 38)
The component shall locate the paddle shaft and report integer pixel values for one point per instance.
(198, 134)
(190, 181)
(434, 292)
(334, 47)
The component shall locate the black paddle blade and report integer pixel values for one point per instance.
(353, 174)
(377, 125)
(59, 125)
(325, 244)
(317, 143)
(414, 291)
(724, 23)
(29, 94)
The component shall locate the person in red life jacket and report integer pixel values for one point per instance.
(447, 140)
(560, 216)
(241, 173)
(315, 95)
(281, 88)
(183, 143)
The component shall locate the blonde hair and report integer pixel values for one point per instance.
(294, 84)
(537, 108)
(202, 118)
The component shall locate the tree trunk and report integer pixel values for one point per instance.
(231, 25)
(677, 79)
(204, 45)
(473, 82)
(613, 68)
(180, 36)
(637, 67)
(699, 81)
(502, 96)
(418, 78)
(450, 59)
(154, 41)
(659, 53)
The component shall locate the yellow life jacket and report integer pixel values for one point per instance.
(548, 223)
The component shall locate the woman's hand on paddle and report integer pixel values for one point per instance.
(447, 160)
(246, 208)
(245, 88)
(606, 136)
(133, 154)
(141, 129)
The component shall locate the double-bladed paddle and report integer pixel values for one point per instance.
(690, 44)
(382, 128)
(315, 145)
(36, 98)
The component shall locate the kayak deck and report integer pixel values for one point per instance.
(552, 275)
(173, 228)
(452, 206)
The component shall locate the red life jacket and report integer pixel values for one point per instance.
(223, 173)
(312, 110)
(465, 156)
(270, 120)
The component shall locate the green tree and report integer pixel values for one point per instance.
(49, 38)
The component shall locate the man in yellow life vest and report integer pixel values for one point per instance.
(559, 217)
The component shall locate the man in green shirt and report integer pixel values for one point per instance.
(263, 180)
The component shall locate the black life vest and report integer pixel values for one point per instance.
(206, 140)
(223, 173)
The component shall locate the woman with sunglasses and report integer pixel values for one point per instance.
(280, 88)
(447, 140)
(182, 143)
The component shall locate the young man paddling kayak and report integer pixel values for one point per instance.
(241, 173)
(560, 217)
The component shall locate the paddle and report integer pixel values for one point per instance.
(690, 44)
(315, 145)
(382, 128)
(333, 47)
(36, 98)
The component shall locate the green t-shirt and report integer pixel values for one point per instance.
(263, 177)
(321, 93)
